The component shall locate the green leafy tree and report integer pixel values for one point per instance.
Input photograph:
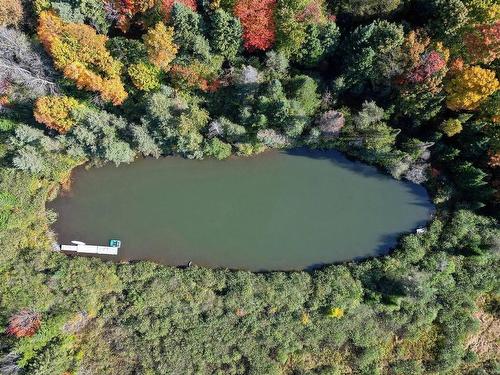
(128, 51)
(472, 180)
(144, 142)
(320, 42)
(290, 31)
(304, 89)
(447, 19)
(175, 122)
(217, 149)
(367, 8)
(373, 53)
(145, 76)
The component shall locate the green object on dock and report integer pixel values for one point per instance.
(115, 243)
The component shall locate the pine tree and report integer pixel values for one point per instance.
(225, 34)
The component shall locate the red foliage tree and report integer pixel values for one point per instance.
(432, 63)
(167, 5)
(24, 324)
(257, 20)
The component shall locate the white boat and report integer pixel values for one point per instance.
(90, 249)
(78, 242)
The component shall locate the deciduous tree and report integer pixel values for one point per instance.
(168, 5)
(125, 10)
(290, 29)
(55, 112)
(22, 67)
(161, 49)
(144, 76)
(81, 54)
(432, 63)
(470, 87)
(483, 43)
(257, 20)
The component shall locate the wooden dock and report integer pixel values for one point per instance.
(83, 248)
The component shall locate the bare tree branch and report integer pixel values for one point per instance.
(24, 68)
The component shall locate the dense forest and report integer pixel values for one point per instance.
(410, 86)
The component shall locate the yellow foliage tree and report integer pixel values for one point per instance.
(55, 112)
(305, 319)
(336, 312)
(470, 87)
(159, 42)
(81, 54)
(451, 127)
(144, 76)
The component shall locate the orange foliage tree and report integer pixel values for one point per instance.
(494, 161)
(189, 77)
(24, 324)
(167, 6)
(81, 54)
(483, 43)
(257, 20)
(55, 112)
(127, 9)
(159, 42)
(470, 87)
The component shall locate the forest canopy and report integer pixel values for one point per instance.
(410, 86)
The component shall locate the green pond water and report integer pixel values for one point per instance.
(278, 211)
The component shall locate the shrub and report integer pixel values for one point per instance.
(25, 323)
(217, 149)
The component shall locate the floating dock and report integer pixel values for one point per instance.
(83, 248)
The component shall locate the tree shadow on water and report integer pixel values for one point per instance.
(418, 196)
(341, 160)
(338, 159)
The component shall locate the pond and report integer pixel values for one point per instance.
(282, 210)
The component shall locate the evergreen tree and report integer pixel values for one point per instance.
(225, 34)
